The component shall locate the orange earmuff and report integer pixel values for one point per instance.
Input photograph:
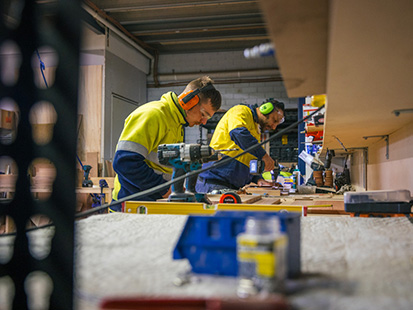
(190, 98)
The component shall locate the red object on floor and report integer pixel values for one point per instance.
(273, 302)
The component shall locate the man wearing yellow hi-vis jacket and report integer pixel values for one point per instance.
(158, 122)
(240, 128)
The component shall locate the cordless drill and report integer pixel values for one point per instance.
(185, 158)
(86, 181)
(257, 167)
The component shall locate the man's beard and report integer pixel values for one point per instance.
(263, 122)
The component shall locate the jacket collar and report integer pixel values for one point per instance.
(182, 112)
(253, 108)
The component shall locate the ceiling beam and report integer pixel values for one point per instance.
(121, 5)
(196, 30)
(211, 40)
(206, 22)
(194, 12)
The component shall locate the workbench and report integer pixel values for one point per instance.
(362, 263)
(330, 203)
(357, 263)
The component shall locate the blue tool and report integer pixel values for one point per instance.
(209, 242)
(99, 199)
(257, 167)
(185, 158)
(86, 181)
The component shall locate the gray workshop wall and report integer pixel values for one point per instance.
(124, 90)
(232, 93)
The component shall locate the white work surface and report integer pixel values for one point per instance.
(347, 263)
(357, 263)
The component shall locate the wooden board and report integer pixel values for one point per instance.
(92, 159)
(90, 107)
(263, 191)
(109, 168)
(363, 54)
(270, 201)
(299, 31)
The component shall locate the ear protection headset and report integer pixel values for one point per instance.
(190, 98)
(266, 108)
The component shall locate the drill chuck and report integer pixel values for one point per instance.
(183, 152)
(194, 152)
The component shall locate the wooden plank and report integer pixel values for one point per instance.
(109, 168)
(299, 31)
(249, 199)
(269, 201)
(326, 211)
(336, 204)
(261, 190)
(92, 159)
(363, 54)
(90, 106)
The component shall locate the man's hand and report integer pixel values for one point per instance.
(269, 163)
(262, 182)
(167, 193)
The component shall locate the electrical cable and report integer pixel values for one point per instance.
(157, 188)
(42, 68)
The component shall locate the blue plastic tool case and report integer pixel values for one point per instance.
(383, 201)
(210, 245)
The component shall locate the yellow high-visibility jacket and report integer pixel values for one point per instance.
(239, 129)
(136, 159)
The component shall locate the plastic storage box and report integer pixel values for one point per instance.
(210, 245)
(386, 201)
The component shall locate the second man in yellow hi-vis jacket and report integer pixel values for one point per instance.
(240, 129)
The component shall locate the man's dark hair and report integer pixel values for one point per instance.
(277, 105)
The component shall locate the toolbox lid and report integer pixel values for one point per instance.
(402, 195)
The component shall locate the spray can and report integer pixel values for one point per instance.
(261, 254)
(296, 176)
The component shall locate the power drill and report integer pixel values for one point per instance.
(257, 167)
(185, 158)
(86, 182)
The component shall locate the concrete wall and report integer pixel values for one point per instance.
(122, 80)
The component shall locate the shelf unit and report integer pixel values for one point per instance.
(285, 148)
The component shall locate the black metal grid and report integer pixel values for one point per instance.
(56, 26)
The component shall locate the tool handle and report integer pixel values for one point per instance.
(178, 187)
(191, 182)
